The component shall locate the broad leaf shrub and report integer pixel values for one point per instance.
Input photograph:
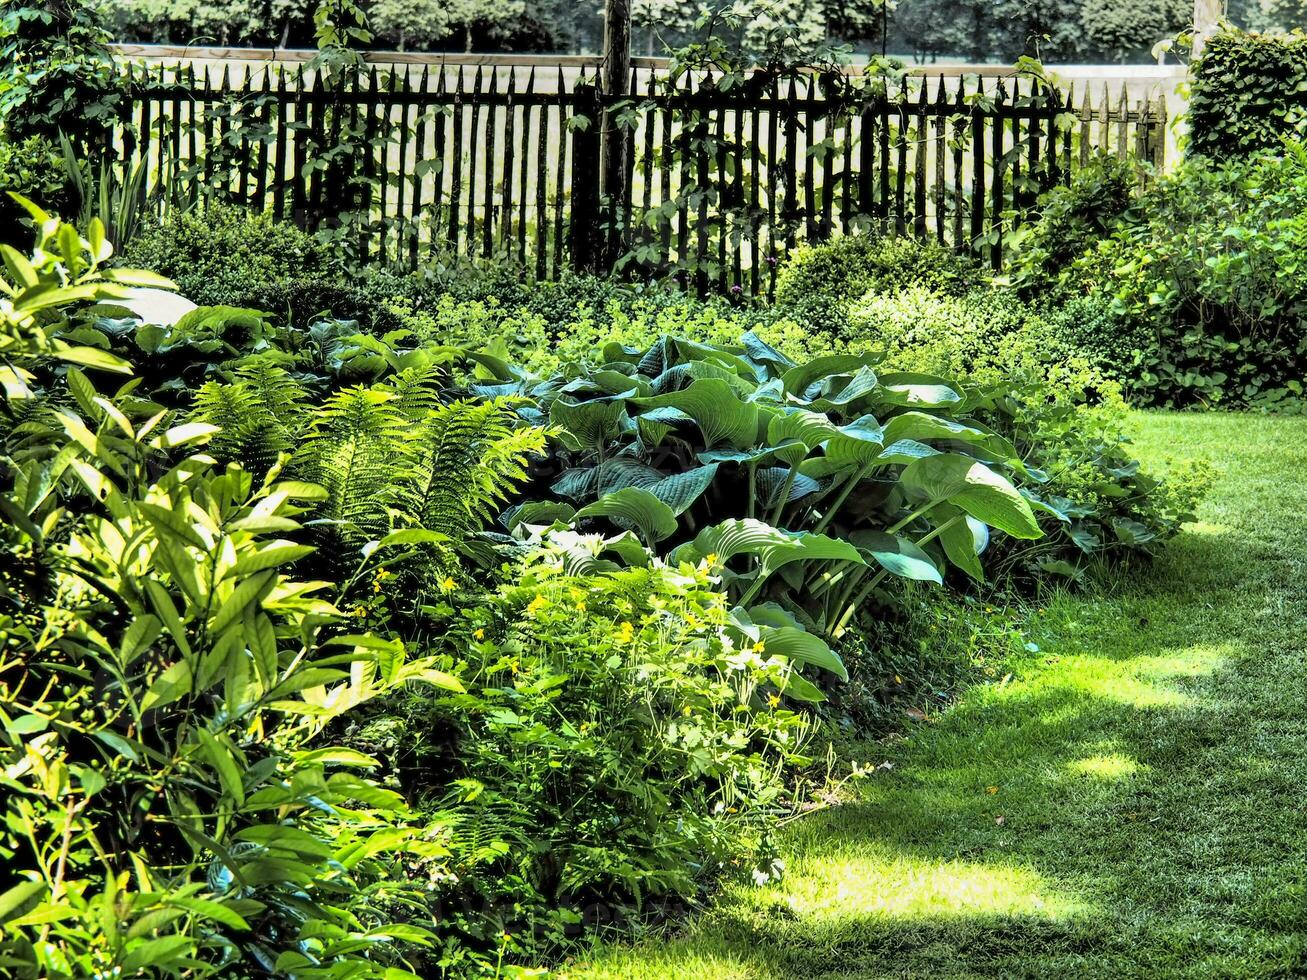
(1066, 418)
(172, 806)
(620, 741)
(1246, 94)
(223, 255)
(819, 281)
(34, 168)
(1206, 286)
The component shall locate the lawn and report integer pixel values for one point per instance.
(1128, 804)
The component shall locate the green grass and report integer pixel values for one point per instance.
(1130, 804)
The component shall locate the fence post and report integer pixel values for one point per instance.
(615, 140)
(585, 232)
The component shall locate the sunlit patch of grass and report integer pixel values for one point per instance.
(1112, 766)
(903, 887)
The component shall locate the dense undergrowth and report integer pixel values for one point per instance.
(451, 643)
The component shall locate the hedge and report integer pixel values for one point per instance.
(1249, 91)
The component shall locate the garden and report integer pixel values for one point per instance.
(881, 609)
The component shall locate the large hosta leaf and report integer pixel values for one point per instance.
(897, 555)
(590, 424)
(963, 543)
(841, 395)
(759, 351)
(679, 492)
(716, 409)
(859, 442)
(771, 480)
(801, 647)
(805, 546)
(633, 507)
(809, 429)
(731, 538)
(922, 427)
(799, 379)
(974, 487)
(918, 390)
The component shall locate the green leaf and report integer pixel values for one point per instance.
(802, 648)
(679, 492)
(974, 487)
(94, 358)
(798, 380)
(896, 555)
(251, 591)
(277, 553)
(715, 407)
(918, 390)
(18, 899)
(220, 756)
(633, 507)
(172, 684)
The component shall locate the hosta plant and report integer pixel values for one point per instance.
(808, 484)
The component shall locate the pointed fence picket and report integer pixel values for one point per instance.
(480, 160)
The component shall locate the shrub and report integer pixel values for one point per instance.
(1208, 272)
(819, 281)
(33, 167)
(619, 744)
(1071, 220)
(1247, 94)
(1028, 381)
(229, 256)
(171, 803)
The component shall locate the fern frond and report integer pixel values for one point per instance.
(358, 449)
(259, 414)
(417, 390)
(468, 457)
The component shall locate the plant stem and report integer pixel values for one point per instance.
(847, 489)
(774, 518)
(879, 576)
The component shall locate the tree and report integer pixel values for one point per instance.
(1122, 32)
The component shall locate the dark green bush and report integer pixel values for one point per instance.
(1207, 277)
(33, 167)
(819, 281)
(229, 256)
(1247, 94)
(1071, 220)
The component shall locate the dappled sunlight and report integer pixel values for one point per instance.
(1106, 767)
(896, 886)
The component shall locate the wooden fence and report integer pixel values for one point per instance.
(406, 164)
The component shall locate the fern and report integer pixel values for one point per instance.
(467, 458)
(259, 413)
(358, 449)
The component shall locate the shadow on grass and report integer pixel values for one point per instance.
(1129, 807)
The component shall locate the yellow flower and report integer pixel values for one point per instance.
(536, 604)
(686, 711)
(480, 634)
(515, 666)
(625, 633)
(448, 585)
(580, 607)
(759, 647)
(711, 559)
(773, 700)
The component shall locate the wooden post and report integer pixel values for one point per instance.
(1207, 17)
(615, 142)
(585, 231)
